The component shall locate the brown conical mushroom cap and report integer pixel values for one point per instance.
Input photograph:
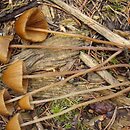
(4, 48)
(13, 77)
(14, 123)
(5, 109)
(31, 18)
(25, 104)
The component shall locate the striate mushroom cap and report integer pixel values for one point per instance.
(14, 123)
(4, 48)
(25, 102)
(5, 109)
(13, 77)
(32, 18)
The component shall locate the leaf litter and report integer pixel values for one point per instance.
(110, 114)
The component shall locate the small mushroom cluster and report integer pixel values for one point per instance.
(19, 86)
(32, 18)
(13, 76)
(31, 26)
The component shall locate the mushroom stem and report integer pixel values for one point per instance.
(80, 92)
(64, 47)
(76, 36)
(13, 100)
(67, 79)
(50, 74)
(77, 106)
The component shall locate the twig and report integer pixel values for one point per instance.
(112, 120)
(38, 124)
(50, 74)
(91, 62)
(83, 4)
(114, 66)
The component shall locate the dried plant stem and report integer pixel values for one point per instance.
(80, 92)
(113, 66)
(67, 79)
(64, 47)
(50, 74)
(112, 120)
(14, 99)
(76, 36)
(77, 106)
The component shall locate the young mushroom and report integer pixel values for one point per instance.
(5, 109)
(32, 26)
(25, 102)
(14, 123)
(4, 48)
(15, 76)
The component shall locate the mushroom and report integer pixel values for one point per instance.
(4, 44)
(14, 123)
(5, 109)
(25, 102)
(31, 18)
(13, 77)
(32, 26)
(5, 47)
